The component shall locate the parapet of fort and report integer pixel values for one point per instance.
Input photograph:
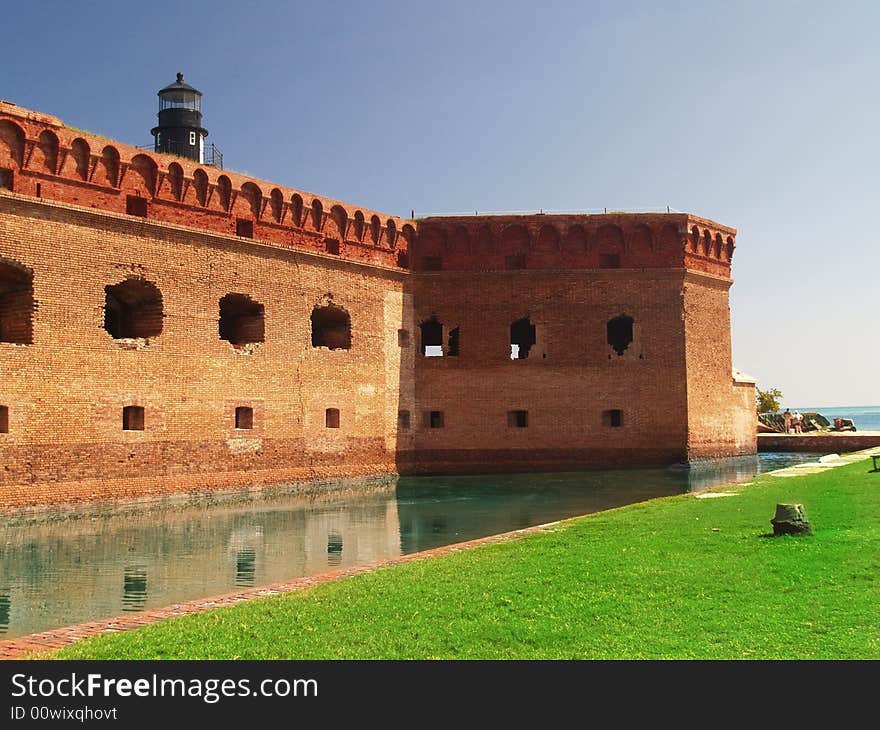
(167, 326)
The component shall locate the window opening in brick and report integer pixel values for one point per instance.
(609, 260)
(331, 418)
(432, 263)
(516, 261)
(4, 419)
(403, 421)
(241, 320)
(620, 333)
(332, 246)
(613, 418)
(331, 327)
(133, 309)
(403, 259)
(517, 419)
(135, 205)
(6, 179)
(39, 190)
(16, 304)
(244, 228)
(522, 337)
(133, 418)
(244, 417)
(403, 338)
(432, 337)
(434, 419)
(452, 349)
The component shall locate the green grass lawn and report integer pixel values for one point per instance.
(673, 578)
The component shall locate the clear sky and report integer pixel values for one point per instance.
(760, 115)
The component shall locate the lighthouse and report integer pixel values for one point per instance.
(180, 131)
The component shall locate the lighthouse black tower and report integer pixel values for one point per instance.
(180, 131)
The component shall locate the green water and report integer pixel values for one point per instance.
(62, 572)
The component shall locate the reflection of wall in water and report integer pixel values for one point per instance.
(84, 569)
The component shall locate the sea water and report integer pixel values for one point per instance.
(865, 418)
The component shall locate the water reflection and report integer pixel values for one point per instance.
(4, 612)
(245, 567)
(64, 572)
(134, 588)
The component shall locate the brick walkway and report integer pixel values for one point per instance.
(56, 638)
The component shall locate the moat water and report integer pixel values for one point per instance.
(62, 572)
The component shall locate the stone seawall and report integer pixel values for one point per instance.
(831, 443)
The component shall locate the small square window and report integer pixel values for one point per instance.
(331, 418)
(244, 228)
(403, 259)
(6, 179)
(403, 421)
(244, 417)
(4, 419)
(609, 261)
(136, 205)
(517, 419)
(613, 418)
(133, 418)
(434, 419)
(332, 246)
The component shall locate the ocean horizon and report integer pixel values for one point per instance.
(865, 418)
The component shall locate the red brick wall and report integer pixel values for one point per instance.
(571, 377)
(66, 391)
(66, 222)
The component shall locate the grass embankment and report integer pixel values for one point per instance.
(674, 578)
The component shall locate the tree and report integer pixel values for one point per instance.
(768, 400)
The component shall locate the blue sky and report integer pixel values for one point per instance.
(760, 115)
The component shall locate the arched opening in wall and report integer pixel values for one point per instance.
(432, 337)
(484, 243)
(642, 238)
(11, 151)
(276, 203)
(80, 152)
(707, 243)
(133, 418)
(548, 240)
(620, 333)
(359, 225)
(254, 197)
(48, 145)
(460, 241)
(200, 182)
(522, 338)
(296, 205)
(409, 235)
(669, 238)
(241, 320)
(109, 167)
(317, 214)
(391, 233)
(719, 246)
(16, 304)
(331, 327)
(729, 248)
(133, 310)
(147, 170)
(224, 191)
(375, 229)
(340, 220)
(175, 180)
(695, 239)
